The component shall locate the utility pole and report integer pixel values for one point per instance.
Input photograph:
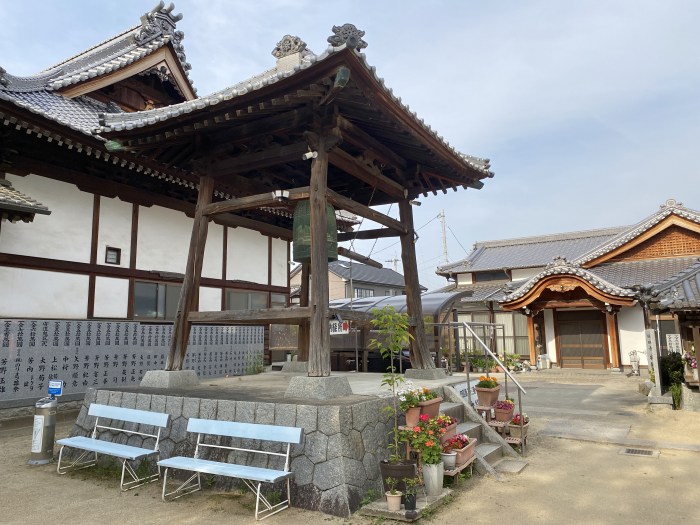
(441, 216)
(395, 261)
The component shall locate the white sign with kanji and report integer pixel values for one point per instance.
(339, 327)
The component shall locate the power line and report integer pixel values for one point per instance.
(456, 239)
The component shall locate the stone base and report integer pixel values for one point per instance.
(645, 387)
(330, 387)
(170, 379)
(295, 366)
(425, 373)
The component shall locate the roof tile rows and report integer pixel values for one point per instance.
(15, 205)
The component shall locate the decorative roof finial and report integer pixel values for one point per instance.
(349, 35)
(289, 45)
(3, 80)
(671, 203)
(161, 22)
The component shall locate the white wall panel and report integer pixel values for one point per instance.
(64, 235)
(280, 264)
(115, 229)
(209, 299)
(247, 255)
(630, 326)
(549, 334)
(111, 297)
(163, 239)
(34, 293)
(213, 263)
(524, 273)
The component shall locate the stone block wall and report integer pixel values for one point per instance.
(334, 467)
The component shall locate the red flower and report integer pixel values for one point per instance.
(429, 443)
(416, 429)
(424, 417)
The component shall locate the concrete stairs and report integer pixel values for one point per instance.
(494, 455)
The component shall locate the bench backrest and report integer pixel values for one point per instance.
(131, 415)
(245, 430)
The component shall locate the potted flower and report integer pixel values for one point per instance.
(448, 454)
(393, 496)
(518, 425)
(393, 328)
(487, 390)
(447, 426)
(411, 485)
(504, 410)
(417, 401)
(424, 438)
(691, 364)
(463, 447)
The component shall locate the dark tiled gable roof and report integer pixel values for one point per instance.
(366, 274)
(38, 93)
(528, 252)
(15, 205)
(634, 273)
(681, 291)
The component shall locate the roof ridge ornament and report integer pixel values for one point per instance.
(561, 262)
(3, 78)
(289, 45)
(349, 35)
(160, 21)
(671, 203)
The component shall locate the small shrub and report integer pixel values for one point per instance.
(677, 393)
(671, 368)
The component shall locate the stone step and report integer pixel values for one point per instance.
(455, 410)
(509, 466)
(471, 429)
(490, 452)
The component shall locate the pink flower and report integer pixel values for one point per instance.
(424, 417)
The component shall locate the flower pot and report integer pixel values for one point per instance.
(432, 477)
(449, 459)
(431, 408)
(398, 471)
(504, 415)
(466, 453)
(289, 358)
(413, 416)
(409, 501)
(450, 431)
(515, 430)
(487, 396)
(393, 501)
(695, 374)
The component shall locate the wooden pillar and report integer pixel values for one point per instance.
(696, 338)
(420, 355)
(531, 338)
(320, 339)
(611, 323)
(193, 273)
(303, 340)
(364, 333)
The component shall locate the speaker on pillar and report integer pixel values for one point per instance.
(302, 233)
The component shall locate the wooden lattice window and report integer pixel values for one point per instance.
(672, 242)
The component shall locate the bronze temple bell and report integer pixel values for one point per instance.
(302, 233)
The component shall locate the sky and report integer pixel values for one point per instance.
(588, 110)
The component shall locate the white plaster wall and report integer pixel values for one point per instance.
(39, 294)
(464, 278)
(524, 273)
(280, 264)
(247, 255)
(209, 299)
(163, 239)
(630, 325)
(213, 263)
(115, 230)
(549, 335)
(111, 297)
(64, 235)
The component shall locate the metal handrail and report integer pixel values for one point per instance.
(487, 353)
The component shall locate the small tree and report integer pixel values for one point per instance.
(393, 329)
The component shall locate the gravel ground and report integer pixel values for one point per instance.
(567, 481)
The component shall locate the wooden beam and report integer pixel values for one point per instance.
(611, 325)
(363, 211)
(352, 166)
(294, 315)
(379, 233)
(357, 137)
(531, 338)
(320, 342)
(304, 327)
(253, 201)
(271, 156)
(358, 257)
(193, 273)
(420, 355)
(235, 221)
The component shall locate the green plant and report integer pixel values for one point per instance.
(410, 398)
(391, 483)
(254, 364)
(274, 497)
(368, 498)
(411, 485)
(671, 369)
(677, 393)
(393, 329)
(487, 382)
(425, 439)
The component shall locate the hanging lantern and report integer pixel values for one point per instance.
(302, 233)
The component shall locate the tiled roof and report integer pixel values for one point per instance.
(367, 274)
(681, 291)
(15, 205)
(639, 273)
(528, 252)
(479, 293)
(560, 266)
(671, 206)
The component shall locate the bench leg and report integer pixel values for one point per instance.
(135, 480)
(185, 488)
(76, 464)
(268, 509)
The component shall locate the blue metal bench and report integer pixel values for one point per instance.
(253, 477)
(125, 453)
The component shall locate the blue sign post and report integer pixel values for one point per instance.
(56, 388)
